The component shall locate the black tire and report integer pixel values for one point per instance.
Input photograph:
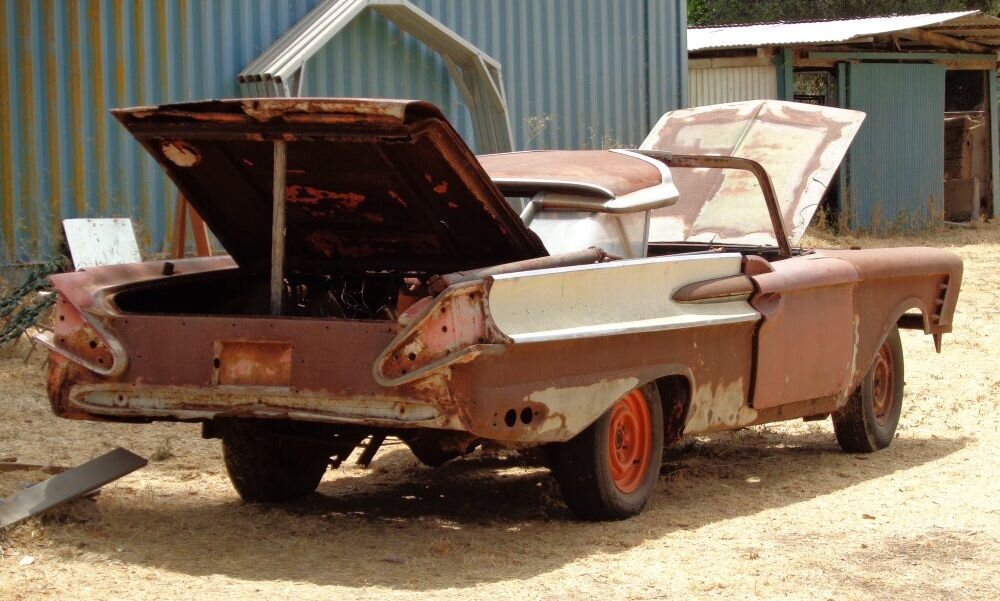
(427, 447)
(583, 466)
(266, 464)
(867, 422)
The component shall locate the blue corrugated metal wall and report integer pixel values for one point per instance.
(63, 64)
(577, 73)
(890, 185)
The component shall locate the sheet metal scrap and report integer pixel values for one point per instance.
(69, 485)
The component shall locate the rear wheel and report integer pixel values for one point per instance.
(609, 471)
(267, 463)
(868, 421)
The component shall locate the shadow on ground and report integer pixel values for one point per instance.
(481, 519)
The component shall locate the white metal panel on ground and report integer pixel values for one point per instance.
(718, 85)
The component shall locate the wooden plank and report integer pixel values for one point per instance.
(943, 41)
(278, 226)
(180, 227)
(199, 231)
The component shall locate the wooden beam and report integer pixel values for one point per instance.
(278, 226)
(180, 227)
(199, 231)
(730, 61)
(944, 41)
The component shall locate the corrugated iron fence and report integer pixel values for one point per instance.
(578, 74)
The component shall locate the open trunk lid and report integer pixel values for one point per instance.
(800, 145)
(370, 185)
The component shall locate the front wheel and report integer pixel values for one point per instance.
(867, 422)
(609, 471)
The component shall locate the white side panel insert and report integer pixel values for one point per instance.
(620, 297)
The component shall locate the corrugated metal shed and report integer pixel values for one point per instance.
(896, 166)
(971, 25)
(732, 84)
(578, 74)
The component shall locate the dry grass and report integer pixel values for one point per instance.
(763, 513)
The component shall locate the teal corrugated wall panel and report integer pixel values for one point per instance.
(896, 164)
(64, 63)
(577, 74)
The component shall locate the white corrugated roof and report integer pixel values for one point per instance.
(970, 25)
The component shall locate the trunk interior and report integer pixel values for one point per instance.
(239, 292)
(344, 296)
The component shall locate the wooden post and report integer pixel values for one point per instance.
(278, 227)
(199, 231)
(180, 228)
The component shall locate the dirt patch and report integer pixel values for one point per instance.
(767, 512)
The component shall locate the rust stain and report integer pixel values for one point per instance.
(140, 54)
(180, 153)
(329, 246)
(441, 188)
(98, 117)
(28, 147)
(6, 144)
(55, 176)
(118, 18)
(309, 195)
(252, 363)
(393, 195)
(76, 110)
(162, 48)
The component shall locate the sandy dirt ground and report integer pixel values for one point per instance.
(768, 512)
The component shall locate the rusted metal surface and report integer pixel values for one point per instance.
(406, 193)
(454, 329)
(800, 356)
(252, 363)
(600, 172)
(715, 290)
(688, 161)
(864, 292)
(799, 145)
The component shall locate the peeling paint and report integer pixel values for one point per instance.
(180, 153)
(573, 408)
(310, 195)
(722, 407)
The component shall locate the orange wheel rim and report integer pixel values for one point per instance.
(629, 441)
(883, 385)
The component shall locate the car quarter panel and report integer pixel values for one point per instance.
(826, 313)
(585, 335)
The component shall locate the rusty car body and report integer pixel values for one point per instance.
(380, 281)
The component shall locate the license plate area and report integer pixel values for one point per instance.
(252, 363)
